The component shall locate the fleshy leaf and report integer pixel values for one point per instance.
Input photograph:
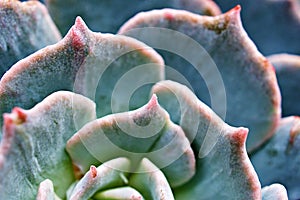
(223, 168)
(287, 68)
(278, 161)
(124, 193)
(260, 17)
(81, 62)
(235, 76)
(33, 144)
(25, 28)
(152, 183)
(274, 192)
(145, 132)
(108, 175)
(46, 191)
(101, 14)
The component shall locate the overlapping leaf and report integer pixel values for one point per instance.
(101, 15)
(278, 161)
(81, 62)
(145, 132)
(235, 76)
(33, 145)
(287, 68)
(273, 25)
(25, 28)
(223, 167)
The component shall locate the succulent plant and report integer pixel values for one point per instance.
(164, 104)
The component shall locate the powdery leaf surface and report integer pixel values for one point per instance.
(223, 169)
(278, 161)
(46, 191)
(25, 28)
(274, 192)
(287, 68)
(108, 175)
(152, 184)
(33, 144)
(145, 132)
(101, 15)
(273, 25)
(235, 76)
(84, 62)
(126, 193)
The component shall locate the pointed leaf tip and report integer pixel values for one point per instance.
(77, 33)
(237, 8)
(93, 170)
(240, 136)
(19, 115)
(153, 102)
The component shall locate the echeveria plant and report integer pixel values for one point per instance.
(165, 104)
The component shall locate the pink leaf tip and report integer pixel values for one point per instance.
(153, 102)
(93, 171)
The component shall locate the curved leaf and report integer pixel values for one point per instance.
(145, 132)
(81, 62)
(274, 192)
(108, 175)
(101, 14)
(152, 183)
(235, 76)
(287, 68)
(25, 28)
(278, 161)
(223, 168)
(46, 191)
(261, 16)
(33, 144)
(124, 193)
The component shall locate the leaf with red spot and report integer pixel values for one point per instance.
(33, 145)
(87, 63)
(223, 168)
(219, 61)
(278, 161)
(273, 25)
(25, 28)
(145, 132)
(108, 175)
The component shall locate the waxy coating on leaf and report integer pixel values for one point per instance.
(46, 191)
(273, 25)
(223, 167)
(274, 192)
(248, 77)
(125, 193)
(25, 28)
(278, 161)
(287, 68)
(145, 132)
(101, 15)
(80, 62)
(152, 184)
(108, 175)
(33, 144)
